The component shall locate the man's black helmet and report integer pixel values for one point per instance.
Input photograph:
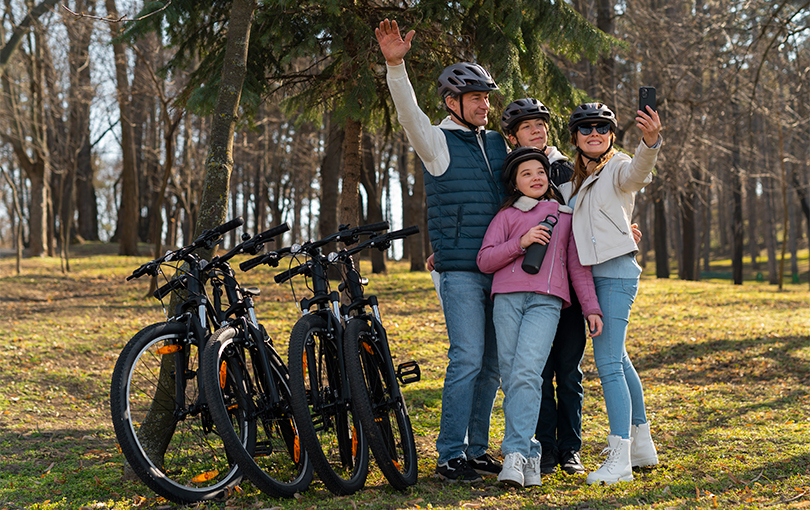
(465, 77)
(518, 156)
(590, 113)
(523, 109)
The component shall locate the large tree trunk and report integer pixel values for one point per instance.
(352, 166)
(128, 214)
(219, 163)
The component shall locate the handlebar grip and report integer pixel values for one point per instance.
(374, 227)
(273, 232)
(227, 227)
(250, 264)
(177, 283)
(405, 232)
(286, 275)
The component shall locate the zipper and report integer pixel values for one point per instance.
(613, 222)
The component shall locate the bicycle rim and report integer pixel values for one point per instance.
(380, 405)
(275, 461)
(194, 465)
(328, 426)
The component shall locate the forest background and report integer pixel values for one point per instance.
(108, 110)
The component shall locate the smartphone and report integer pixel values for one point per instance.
(646, 96)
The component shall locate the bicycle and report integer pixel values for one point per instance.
(376, 395)
(242, 370)
(157, 402)
(321, 396)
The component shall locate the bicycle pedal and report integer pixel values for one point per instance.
(409, 372)
(263, 449)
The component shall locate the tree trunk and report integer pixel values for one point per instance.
(660, 241)
(214, 204)
(420, 248)
(128, 214)
(371, 184)
(352, 166)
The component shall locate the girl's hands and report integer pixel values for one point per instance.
(649, 124)
(594, 325)
(536, 234)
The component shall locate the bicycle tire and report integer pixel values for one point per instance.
(329, 429)
(277, 465)
(195, 466)
(380, 405)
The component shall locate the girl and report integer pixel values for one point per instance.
(527, 306)
(602, 193)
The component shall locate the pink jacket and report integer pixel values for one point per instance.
(501, 254)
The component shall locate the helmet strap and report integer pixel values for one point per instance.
(461, 118)
(598, 158)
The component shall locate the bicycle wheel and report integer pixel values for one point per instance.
(328, 426)
(235, 385)
(380, 405)
(171, 444)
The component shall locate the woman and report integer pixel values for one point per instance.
(602, 193)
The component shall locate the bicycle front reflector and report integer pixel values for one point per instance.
(204, 477)
(168, 349)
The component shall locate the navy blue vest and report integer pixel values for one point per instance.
(463, 200)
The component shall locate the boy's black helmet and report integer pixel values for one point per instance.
(465, 77)
(518, 156)
(590, 113)
(523, 109)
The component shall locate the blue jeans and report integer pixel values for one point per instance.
(472, 378)
(624, 396)
(559, 426)
(525, 323)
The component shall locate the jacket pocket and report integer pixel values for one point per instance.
(459, 221)
(612, 222)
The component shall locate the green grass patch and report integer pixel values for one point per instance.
(726, 371)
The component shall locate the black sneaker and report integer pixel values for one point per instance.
(548, 462)
(457, 470)
(485, 465)
(570, 463)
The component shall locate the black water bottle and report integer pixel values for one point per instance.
(536, 251)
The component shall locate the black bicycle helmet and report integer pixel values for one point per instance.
(523, 109)
(589, 113)
(518, 156)
(465, 77)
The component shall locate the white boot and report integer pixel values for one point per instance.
(616, 467)
(642, 452)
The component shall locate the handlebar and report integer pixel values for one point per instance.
(204, 240)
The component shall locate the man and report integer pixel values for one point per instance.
(462, 164)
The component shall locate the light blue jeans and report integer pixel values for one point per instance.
(472, 378)
(525, 323)
(624, 396)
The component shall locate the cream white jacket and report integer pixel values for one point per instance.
(603, 210)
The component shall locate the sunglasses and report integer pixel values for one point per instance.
(602, 129)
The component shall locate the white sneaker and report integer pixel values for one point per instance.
(531, 472)
(616, 467)
(512, 472)
(642, 452)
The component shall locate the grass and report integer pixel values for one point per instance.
(726, 371)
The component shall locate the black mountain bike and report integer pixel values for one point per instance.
(159, 412)
(374, 382)
(321, 396)
(243, 371)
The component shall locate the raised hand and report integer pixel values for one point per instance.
(649, 124)
(392, 45)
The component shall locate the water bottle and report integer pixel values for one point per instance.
(536, 251)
